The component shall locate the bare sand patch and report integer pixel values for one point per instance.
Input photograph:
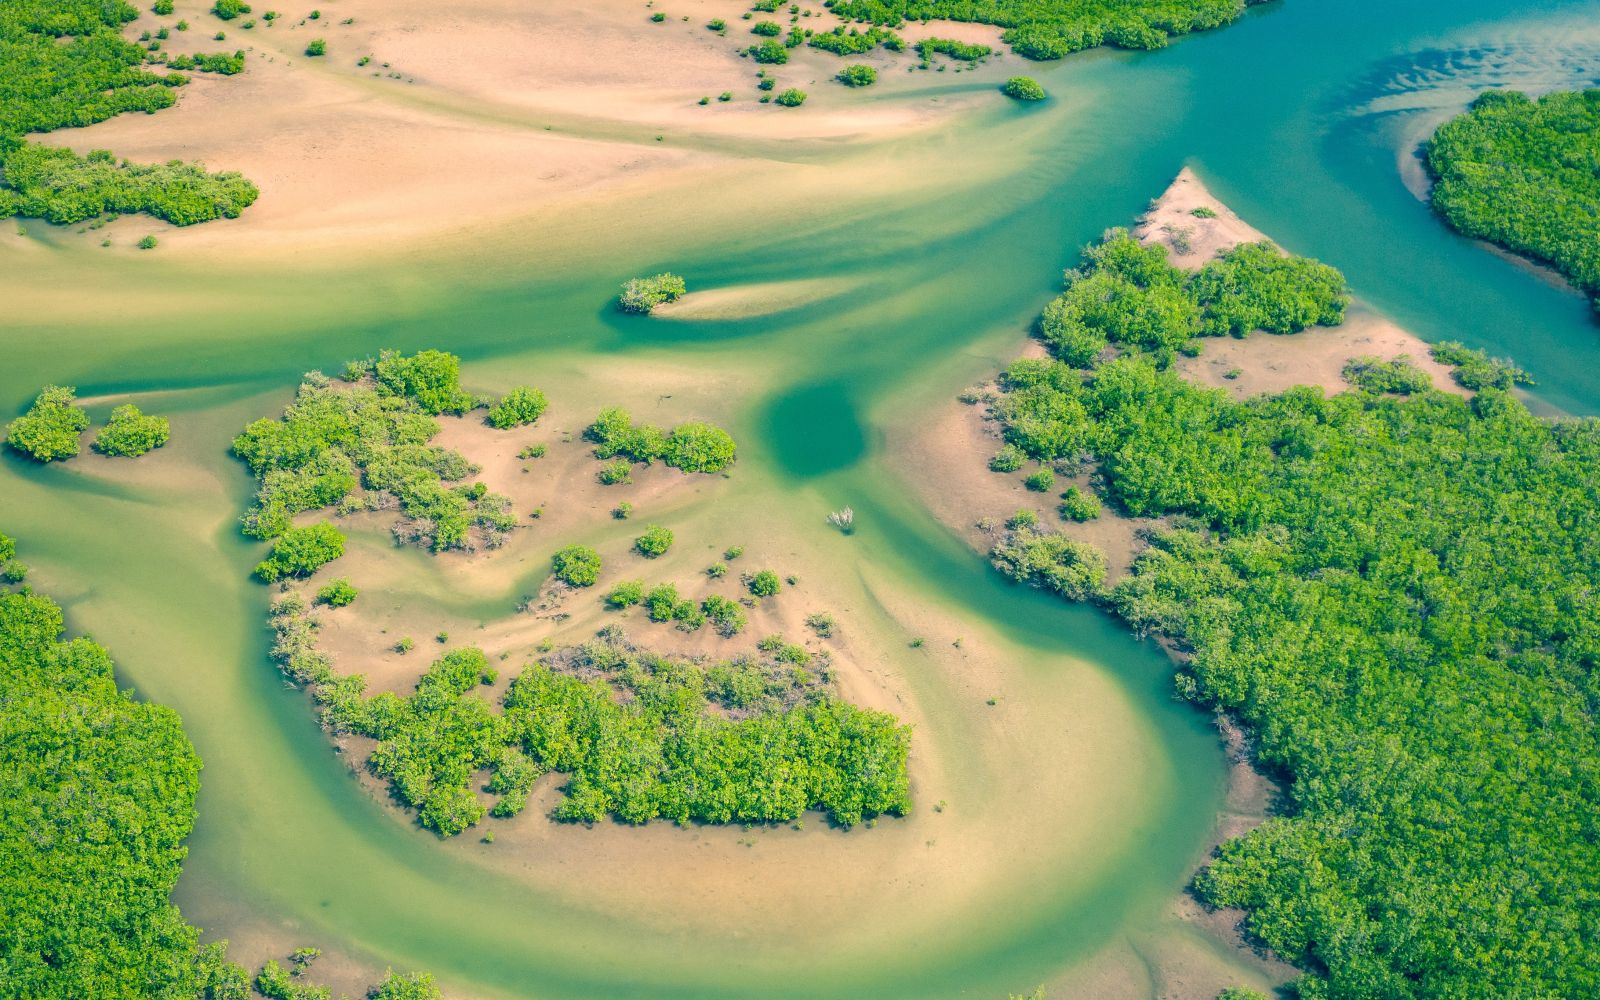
(751, 300)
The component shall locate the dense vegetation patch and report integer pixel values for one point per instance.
(639, 736)
(1129, 295)
(1050, 29)
(64, 63)
(362, 444)
(131, 433)
(49, 431)
(1398, 596)
(1522, 174)
(96, 798)
(691, 447)
(1023, 88)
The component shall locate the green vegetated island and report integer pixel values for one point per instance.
(751, 738)
(1523, 174)
(1393, 588)
(65, 64)
(96, 800)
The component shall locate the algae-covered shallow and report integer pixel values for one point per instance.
(1075, 807)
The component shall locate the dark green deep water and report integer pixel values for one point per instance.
(1302, 118)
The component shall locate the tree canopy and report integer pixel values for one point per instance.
(49, 431)
(1521, 173)
(1397, 596)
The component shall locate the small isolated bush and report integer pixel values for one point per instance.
(844, 519)
(717, 570)
(416, 986)
(532, 451)
(857, 75)
(131, 433)
(821, 623)
(655, 541)
(615, 473)
(766, 83)
(1022, 519)
(49, 430)
(405, 645)
(521, 406)
(162, 8)
(658, 17)
(230, 9)
(733, 552)
(717, 24)
(12, 571)
(770, 52)
(1023, 88)
(791, 98)
(1203, 212)
(1041, 482)
(621, 511)
(725, 96)
(643, 295)
(337, 593)
(1076, 505)
(301, 551)
(766, 28)
(661, 602)
(577, 565)
(148, 243)
(726, 616)
(1008, 459)
(317, 47)
(764, 583)
(626, 594)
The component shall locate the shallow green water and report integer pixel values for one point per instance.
(1300, 118)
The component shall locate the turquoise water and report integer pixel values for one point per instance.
(1302, 118)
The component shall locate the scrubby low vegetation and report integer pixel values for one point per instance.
(643, 295)
(640, 736)
(1396, 596)
(363, 445)
(857, 75)
(520, 407)
(64, 63)
(577, 566)
(843, 41)
(1050, 29)
(691, 447)
(1521, 173)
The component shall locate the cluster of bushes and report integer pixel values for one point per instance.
(214, 62)
(1475, 369)
(49, 431)
(364, 445)
(131, 433)
(691, 447)
(1521, 173)
(641, 737)
(1050, 29)
(662, 603)
(1128, 294)
(67, 65)
(842, 41)
(301, 552)
(1398, 376)
(99, 792)
(518, 408)
(643, 295)
(1396, 595)
(962, 51)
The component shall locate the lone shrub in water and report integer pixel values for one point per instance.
(642, 295)
(49, 430)
(131, 433)
(655, 541)
(577, 565)
(858, 75)
(521, 406)
(301, 551)
(1023, 88)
